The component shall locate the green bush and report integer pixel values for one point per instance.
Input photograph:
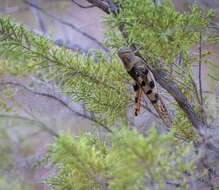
(125, 160)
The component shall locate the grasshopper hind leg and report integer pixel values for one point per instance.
(137, 95)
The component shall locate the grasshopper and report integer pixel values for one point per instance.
(143, 80)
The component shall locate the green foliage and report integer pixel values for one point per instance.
(126, 160)
(150, 160)
(160, 30)
(83, 157)
(100, 86)
(182, 125)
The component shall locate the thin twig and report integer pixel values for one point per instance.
(217, 79)
(40, 94)
(203, 113)
(196, 89)
(68, 45)
(200, 68)
(82, 6)
(183, 84)
(56, 99)
(67, 24)
(38, 16)
(148, 109)
(40, 124)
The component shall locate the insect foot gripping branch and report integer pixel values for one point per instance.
(143, 81)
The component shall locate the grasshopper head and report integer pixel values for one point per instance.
(124, 51)
(127, 56)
